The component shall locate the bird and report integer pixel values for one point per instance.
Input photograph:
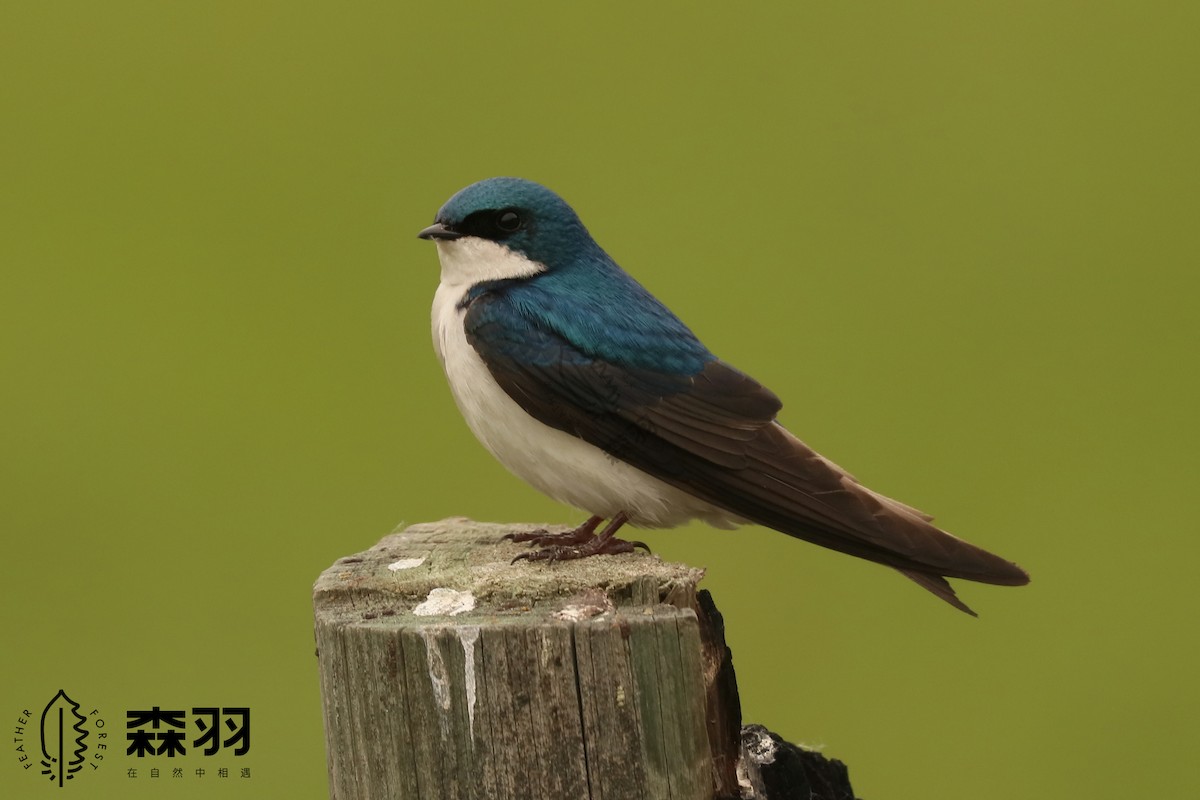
(586, 386)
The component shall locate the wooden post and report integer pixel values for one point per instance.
(447, 672)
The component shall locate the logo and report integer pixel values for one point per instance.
(66, 743)
(65, 740)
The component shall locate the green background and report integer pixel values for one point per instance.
(958, 239)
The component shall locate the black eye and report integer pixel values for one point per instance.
(509, 221)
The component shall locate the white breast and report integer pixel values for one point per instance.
(562, 466)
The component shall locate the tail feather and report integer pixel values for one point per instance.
(939, 586)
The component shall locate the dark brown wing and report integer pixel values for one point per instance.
(714, 435)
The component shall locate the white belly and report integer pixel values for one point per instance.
(562, 466)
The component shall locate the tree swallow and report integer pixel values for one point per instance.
(586, 386)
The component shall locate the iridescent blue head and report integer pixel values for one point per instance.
(521, 215)
(518, 257)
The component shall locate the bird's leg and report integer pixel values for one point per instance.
(604, 543)
(543, 537)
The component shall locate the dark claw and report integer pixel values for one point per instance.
(528, 536)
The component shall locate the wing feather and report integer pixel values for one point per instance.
(714, 434)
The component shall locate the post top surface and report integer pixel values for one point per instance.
(460, 568)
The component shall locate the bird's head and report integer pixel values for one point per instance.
(506, 228)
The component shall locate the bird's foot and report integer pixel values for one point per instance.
(594, 546)
(578, 543)
(544, 538)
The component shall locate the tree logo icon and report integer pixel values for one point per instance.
(63, 738)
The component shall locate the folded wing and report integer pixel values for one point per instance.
(714, 435)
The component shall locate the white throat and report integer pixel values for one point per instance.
(471, 260)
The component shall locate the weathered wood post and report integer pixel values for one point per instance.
(447, 673)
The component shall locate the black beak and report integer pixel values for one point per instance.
(439, 231)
